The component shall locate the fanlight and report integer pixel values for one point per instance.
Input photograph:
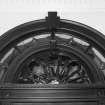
(52, 61)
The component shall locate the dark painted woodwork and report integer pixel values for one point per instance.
(91, 93)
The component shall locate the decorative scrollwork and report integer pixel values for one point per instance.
(57, 69)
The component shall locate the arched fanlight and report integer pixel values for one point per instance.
(52, 51)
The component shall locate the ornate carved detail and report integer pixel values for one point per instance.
(54, 77)
(53, 69)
